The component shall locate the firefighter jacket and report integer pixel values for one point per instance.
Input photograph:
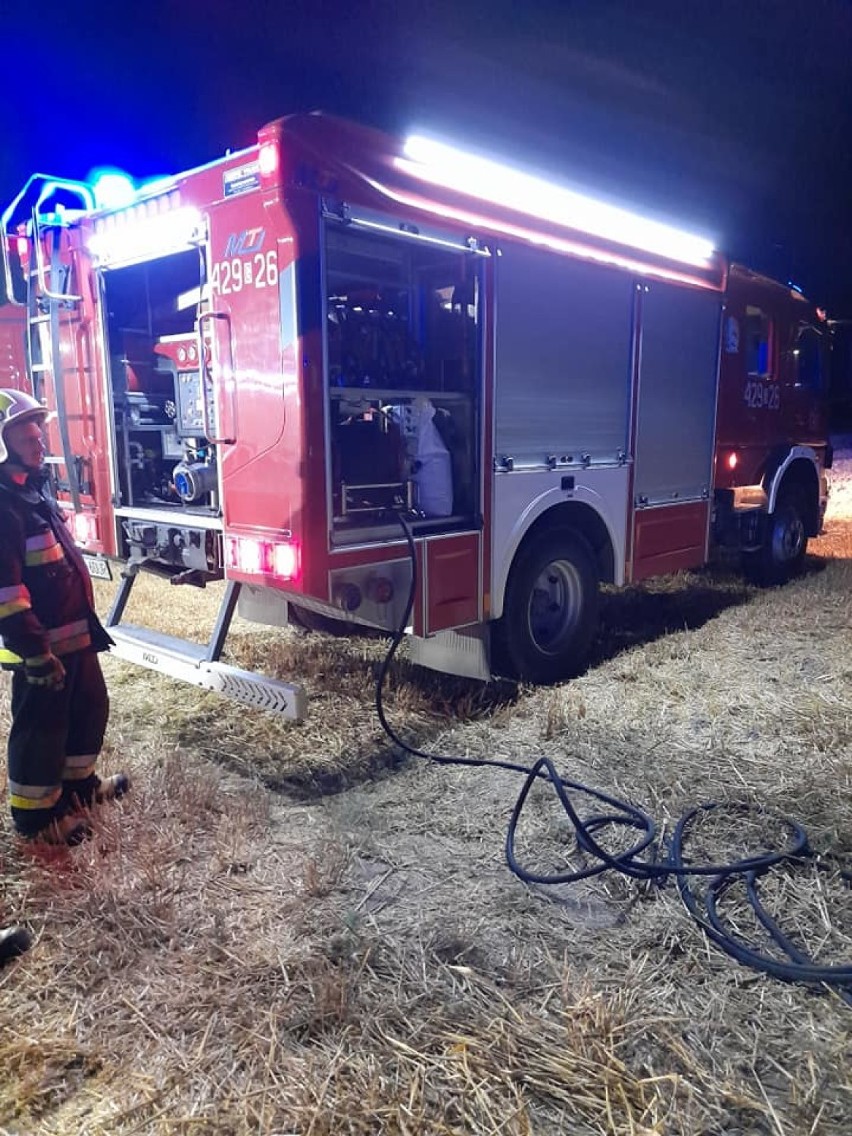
(46, 599)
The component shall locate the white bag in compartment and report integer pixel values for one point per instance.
(433, 474)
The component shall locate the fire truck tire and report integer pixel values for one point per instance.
(782, 553)
(550, 613)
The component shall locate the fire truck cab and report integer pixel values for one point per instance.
(268, 369)
(772, 422)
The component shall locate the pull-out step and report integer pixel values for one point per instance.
(185, 661)
(197, 663)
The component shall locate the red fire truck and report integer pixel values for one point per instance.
(261, 366)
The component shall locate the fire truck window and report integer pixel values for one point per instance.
(810, 369)
(758, 342)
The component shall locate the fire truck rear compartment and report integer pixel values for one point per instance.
(163, 461)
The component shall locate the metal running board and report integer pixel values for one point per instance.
(196, 663)
(186, 661)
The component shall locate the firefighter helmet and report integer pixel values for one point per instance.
(17, 406)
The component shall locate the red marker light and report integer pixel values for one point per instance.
(733, 460)
(380, 589)
(267, 159)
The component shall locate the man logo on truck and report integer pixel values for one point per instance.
(245, 243)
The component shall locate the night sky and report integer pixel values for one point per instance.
(732, 118)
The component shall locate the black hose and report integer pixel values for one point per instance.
(648, 858)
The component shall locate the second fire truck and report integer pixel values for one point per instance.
(262, 367)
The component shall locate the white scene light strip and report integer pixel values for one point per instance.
(122, 238)
(444, 165)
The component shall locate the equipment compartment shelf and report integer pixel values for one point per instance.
(374, 394)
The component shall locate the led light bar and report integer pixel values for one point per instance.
(146, 231)
(444, 165)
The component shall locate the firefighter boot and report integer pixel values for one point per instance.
(13, 942)
(112, 788)
(67, 829)
(94, 790)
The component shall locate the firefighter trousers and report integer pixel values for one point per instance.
(54, 742)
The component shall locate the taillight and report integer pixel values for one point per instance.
(285, 561)
(247, 554)
(258, 557)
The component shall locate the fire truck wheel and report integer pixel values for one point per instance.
(785, 544)
(550, 613)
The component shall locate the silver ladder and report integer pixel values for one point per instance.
(44, 301)
(43, 309)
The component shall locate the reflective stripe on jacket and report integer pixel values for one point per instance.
(46, 601)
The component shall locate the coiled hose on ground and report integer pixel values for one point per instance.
(651, 858)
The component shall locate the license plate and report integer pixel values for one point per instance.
(99, 569)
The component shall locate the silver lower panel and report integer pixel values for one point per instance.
(465, 652)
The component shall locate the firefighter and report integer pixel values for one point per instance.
(50, 639)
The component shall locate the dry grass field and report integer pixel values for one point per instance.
(291, 929)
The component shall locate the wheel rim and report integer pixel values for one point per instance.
(555, 607)
(788, 537)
